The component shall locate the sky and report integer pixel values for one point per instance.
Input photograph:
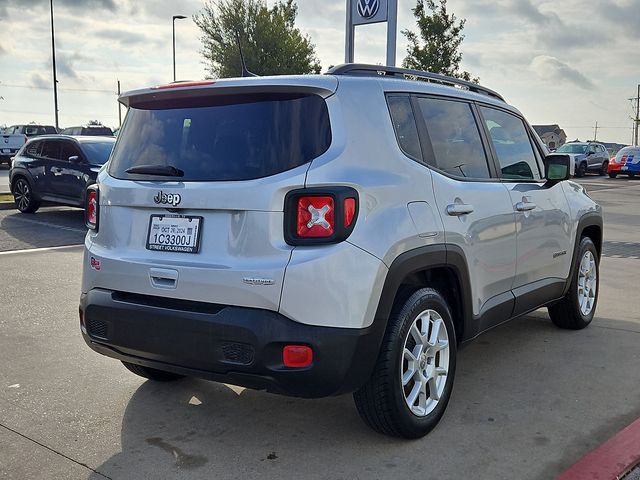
(571, 62)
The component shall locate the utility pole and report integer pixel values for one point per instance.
(119, 108)
(595, 133)
(55, 79)
(637, 120)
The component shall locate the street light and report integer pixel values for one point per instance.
(179, 17)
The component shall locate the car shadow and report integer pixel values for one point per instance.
(49, 227)
(515, 396)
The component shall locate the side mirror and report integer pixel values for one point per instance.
(557, 167)
(74, 159)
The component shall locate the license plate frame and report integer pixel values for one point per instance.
(161, 247)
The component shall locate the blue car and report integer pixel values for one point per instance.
(57, 169)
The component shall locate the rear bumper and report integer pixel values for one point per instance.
(237, 345)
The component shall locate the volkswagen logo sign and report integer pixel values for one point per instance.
(368, 8)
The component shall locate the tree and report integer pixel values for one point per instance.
(441, 34)
(271, 43)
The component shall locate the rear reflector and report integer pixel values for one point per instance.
(297, 356)
(315, 217)
(349, 210)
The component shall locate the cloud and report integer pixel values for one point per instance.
(66, 64)
(78, 7)
(3, 51)
(39, 81)
(125, 37)
(624, 16)
(554, 70)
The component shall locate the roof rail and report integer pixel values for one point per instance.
(406, 73)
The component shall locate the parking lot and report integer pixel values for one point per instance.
(528, 402)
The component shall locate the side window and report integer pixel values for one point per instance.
(512, 145)
(404, 125)
(455, 138)
(50, 150)
(33, 149)
(69, 149)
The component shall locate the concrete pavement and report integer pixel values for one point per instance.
(529, 399)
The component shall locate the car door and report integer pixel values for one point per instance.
(73, 171)
(541, 208)
(36, 166)
(54, 167)
(474, 205)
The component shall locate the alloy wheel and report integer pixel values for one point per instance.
(425, 363)
(587, 283)
(22, 195)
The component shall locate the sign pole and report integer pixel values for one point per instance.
(392, 25)
(349, 35)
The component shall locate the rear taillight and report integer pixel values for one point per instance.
(319, 215)
(315, 217)
(92, 207)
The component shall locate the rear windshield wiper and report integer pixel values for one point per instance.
(163, 170)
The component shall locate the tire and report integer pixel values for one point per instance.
(613, 174)
(382, 402)
(576, 310)
(24, 197)
(605, 168)
(582, 170)
(152, 373)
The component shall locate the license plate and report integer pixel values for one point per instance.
(174, 233)
(6, 150)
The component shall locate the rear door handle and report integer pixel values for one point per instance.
(457, 209)
(525, 206)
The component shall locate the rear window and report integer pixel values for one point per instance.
(100, 131)
(223, 138)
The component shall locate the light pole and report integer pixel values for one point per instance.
(179, 17)
(55, 79)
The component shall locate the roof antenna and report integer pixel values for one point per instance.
(244, 72)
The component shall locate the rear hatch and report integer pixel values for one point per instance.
(191, 203)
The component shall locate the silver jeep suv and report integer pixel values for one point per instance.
(322, 234)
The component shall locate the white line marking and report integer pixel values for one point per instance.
(43, 249)
(47, 224)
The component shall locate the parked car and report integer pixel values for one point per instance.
(57, 169)
(587, 157)
(626, 162)
(321, 234)
(31, 130)
(92, 130)
(9, 145)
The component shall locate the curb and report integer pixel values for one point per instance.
(611, 460)
(7, 205)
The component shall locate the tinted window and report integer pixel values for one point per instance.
(32, 149)
(224, 138)
(455, 138)
(404, 125)
(101, 131)
(512, 145)
(50, 150)
(97, 152)
(69, 149)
